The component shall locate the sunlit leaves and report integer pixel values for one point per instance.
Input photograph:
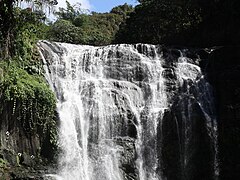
(75, 26)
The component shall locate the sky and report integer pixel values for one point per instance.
(97, 5)
(91, 5)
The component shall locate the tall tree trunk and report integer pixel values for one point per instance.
(6, 28)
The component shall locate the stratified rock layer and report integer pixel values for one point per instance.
(132, 112)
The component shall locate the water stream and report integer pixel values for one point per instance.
(112, 103)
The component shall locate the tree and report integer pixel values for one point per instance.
(7, 23)
(70, 13)
(76, 26)
(158, 21)
(123, 10)
(186, 22)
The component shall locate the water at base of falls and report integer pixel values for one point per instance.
(116, 109)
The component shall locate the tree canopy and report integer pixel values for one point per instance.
(8, 23)
(187, 22)
(75, 26)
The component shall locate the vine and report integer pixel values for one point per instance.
(31, 100)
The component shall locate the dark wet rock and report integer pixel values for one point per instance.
(158, 89)
(224, 74)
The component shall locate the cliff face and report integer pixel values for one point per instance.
(222, 68)
(187, 133)
(147, 112)
(184, 144)
(27, 123)
(26, 147)
(14, 136)
(224, 75)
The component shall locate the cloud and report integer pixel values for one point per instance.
(85, 3)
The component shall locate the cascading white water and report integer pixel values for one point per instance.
(189, 71)
(110, 102)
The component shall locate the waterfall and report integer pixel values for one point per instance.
(119, 105)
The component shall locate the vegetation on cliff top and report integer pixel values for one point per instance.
(75, 26)
(27, 105)
(183, 22)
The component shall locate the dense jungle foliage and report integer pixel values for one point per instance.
(194, 22)
(186, 22)
(74, 26)
(21, 72)
(27, 105)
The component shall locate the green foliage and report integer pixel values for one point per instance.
(30, 100)
(23, 88)
(99, 29)
(9, 23)
(124, 10)
(186, 22)
(73, 26)
(28, 29)
(3, 163)
(70, 13)
(157, 21)
(25, 98)
(18, 84)
(65, 31)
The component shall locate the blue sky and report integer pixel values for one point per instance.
(98, 5)
(107, 5)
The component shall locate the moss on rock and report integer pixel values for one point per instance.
(28, 126)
